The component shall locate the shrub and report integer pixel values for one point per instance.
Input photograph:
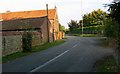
(111, 28)
(27, 42)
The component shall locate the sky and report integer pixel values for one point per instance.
(67, 9)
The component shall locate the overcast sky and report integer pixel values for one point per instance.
(67, 9)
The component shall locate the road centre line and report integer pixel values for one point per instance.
(39, 67)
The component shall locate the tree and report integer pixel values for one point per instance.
(94, 18)
(110, 28)
(114, 9)
(62, 28)
(80, 23)
(115, 14)
(73, 25)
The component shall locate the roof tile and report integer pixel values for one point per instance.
(27, 14)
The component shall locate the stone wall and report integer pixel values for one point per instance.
(37, 39)
(12, 41)
(11, 44)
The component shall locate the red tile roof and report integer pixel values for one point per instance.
(27, 14)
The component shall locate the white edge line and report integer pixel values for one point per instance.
(48, 61)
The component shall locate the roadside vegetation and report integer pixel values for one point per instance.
(100, 23)
(34, 49)
(85, 35)
(92, 24)
(112, 32)
(107, 64)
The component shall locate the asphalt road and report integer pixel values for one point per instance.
(77, 54)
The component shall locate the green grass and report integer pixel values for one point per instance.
(35, 49)
(86, 35)
(107, 64)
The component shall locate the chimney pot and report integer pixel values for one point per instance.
(8, 11)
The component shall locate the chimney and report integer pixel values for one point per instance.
(55, 7)
(8, 11)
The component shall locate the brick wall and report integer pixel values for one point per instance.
(44, 32)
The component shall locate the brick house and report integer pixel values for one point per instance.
(12, 25)
(12, 33)
(52, 16)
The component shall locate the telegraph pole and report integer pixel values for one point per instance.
(82, 17)
(47, 21)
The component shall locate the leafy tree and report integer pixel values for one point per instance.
(62, 28)
(80, 23)
(110, 28)
(115, 14)
(114, 9)
(94, 18)
(73, 25)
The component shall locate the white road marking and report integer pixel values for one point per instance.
(75, 45)
(39, 67)
(49, 61)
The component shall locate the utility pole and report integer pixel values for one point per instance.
(82, 17)
(47, 22)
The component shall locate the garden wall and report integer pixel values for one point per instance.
(12, 41)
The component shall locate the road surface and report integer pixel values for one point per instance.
(77, 54)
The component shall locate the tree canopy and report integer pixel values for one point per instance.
(114, 8)
(94, 18)
(62, 28)
(73, 25)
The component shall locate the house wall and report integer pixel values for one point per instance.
(51, 33)
(55, 26)
(44, 31)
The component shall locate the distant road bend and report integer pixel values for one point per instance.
(77, 54)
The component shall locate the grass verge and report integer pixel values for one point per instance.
(35, 49)
(107, 64)
(86, 35)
